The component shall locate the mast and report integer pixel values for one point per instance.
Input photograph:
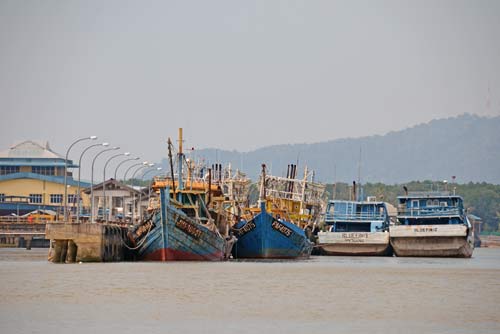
(334, 181)
(179, 164)
(303, 191)
(209, 187)
(262, 192)
(358, 193)
(171, 164)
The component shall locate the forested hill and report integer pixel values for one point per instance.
(466, 146)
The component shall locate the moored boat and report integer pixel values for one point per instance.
(355, 228)
(169, 234)
(268, 234)
(432, 224)
(181, 227)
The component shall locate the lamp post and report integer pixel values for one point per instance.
(149, 188)
(126, 154)
(79, 169)
(121, 163)
(144, 163)
(133, 176)
(125, 179)
(92, 180)
(65, 201)
(116, 178)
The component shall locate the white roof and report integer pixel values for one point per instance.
(40, 211)
(30, 149)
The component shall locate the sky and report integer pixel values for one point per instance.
(240, 75)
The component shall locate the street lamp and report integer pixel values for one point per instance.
(149, 188)
(79, 169)
(125, 179)
(126, 154)
(92, 180)
(65, 201)
(145, 165)
(121, 163)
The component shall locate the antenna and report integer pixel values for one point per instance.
(359, 167)
(334, 181)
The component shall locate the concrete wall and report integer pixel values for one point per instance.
(85, 242)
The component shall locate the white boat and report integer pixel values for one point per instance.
(355, 228)
(432, 224)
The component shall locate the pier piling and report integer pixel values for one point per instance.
(86, 242)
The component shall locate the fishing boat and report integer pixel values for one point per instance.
(228, 204)
(270, 233)
(355, 228)
(432, 224)
(180, 227)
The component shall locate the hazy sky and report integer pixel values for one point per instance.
(240, 74)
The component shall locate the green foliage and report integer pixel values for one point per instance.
(138, 182)
(480, 199)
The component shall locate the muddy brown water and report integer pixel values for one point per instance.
(320, 295)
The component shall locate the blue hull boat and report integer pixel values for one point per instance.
(265, 237)
(170, 235)
(178, 230)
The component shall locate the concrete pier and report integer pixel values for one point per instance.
(85, 242)
(22, 235)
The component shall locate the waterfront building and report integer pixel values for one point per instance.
(32, 177)
(118, 200)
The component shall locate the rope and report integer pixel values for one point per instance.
(143, 239)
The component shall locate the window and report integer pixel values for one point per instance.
(36, 198)
(2, 198)
(72, 199)
(8, 170)
(43, 170)
(56, 198)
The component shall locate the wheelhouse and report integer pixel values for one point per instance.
(430, 209)
(353, 216)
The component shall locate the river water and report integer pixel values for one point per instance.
(320, 295)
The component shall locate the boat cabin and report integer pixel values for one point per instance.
(430, 209)
(353, 216)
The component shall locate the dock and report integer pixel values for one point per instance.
(86, 242)
(23, 235)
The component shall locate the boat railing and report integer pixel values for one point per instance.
(430, 211)
(294, 189)
(428, 193)
(368, 217)
(274, 193)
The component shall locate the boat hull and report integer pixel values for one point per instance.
(264, 237)
(172, 236)
(354, 243)
(432, 241)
